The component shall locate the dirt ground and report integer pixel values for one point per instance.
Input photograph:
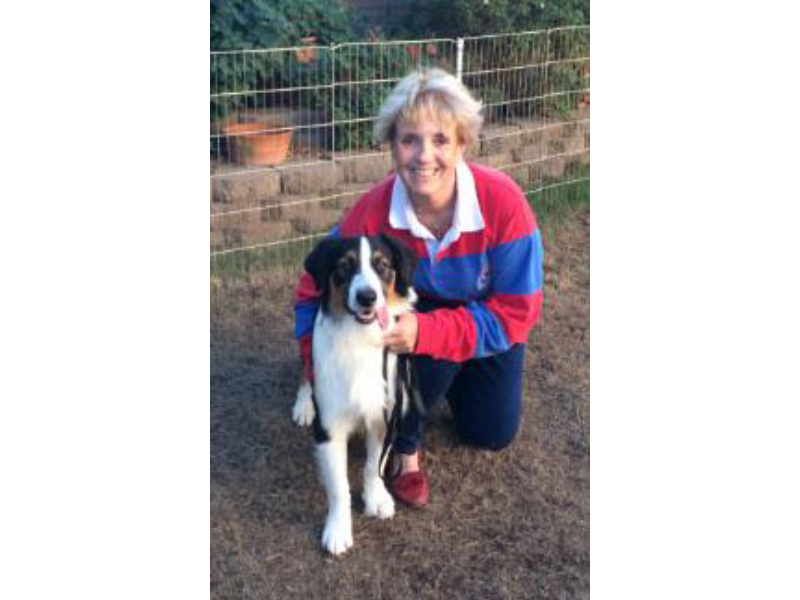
(513, 524)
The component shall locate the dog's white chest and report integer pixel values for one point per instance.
(348, 368)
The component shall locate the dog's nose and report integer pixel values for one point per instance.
(366, 297)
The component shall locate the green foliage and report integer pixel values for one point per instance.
(256, 24)
(239, 79)
(549, 61)
(262, 24)
(454, 18)
(465, 18)
(360, 64)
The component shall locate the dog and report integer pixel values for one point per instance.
(365, 283)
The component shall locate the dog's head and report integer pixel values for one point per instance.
(362, 276)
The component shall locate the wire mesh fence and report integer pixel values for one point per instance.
(291, 130)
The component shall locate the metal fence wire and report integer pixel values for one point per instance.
(291, 129)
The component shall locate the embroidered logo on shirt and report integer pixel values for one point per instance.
(484, 277)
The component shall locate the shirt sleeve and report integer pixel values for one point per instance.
(306, 306)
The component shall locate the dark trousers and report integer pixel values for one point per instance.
(484, 394)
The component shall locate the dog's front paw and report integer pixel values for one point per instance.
(337, 536)
(378, 502)
(303, 411)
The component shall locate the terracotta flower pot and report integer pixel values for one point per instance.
(257, 144)
(413, 51)
(308, 53)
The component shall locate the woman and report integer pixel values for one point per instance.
(479, 276)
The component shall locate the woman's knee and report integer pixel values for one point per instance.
(494, 441)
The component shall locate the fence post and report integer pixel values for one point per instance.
(459, 58)
(546, 90)
(333, 101)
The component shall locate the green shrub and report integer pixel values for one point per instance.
(466, 18)
(369, 65)
(509, 72)
(454, 18)
(261, 24)
(245, 77)
(256, 24)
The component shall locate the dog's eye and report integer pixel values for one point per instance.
(343, 266)
(381, 266)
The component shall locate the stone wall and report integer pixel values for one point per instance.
(292, 200)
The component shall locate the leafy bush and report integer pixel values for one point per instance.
(465, 18)
(256, 24)
(244, 82)
(454, 18)
(361, 103)
(261, 24)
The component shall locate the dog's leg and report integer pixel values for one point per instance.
(303, 410)
(332, 456)
(377, 501)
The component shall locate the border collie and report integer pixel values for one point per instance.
(365, 284)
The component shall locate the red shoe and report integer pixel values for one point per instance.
(409, 488)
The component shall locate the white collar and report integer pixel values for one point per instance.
(467, 216)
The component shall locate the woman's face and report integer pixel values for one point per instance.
(425, 154)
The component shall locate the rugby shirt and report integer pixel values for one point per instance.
(492, 269)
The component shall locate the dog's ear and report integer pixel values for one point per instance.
(321, 261)
(404, 261)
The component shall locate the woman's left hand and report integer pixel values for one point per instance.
(403, 337)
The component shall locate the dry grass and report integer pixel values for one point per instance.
(513, 524)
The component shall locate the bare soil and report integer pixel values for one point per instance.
(513, 524)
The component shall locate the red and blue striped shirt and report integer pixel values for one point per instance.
(492, 270)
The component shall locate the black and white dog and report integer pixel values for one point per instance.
(365, 283)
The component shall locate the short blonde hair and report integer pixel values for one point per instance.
(432, 91)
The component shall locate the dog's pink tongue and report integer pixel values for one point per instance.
(383, 317)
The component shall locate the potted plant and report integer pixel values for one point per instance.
(307, 53)
(257, 142)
